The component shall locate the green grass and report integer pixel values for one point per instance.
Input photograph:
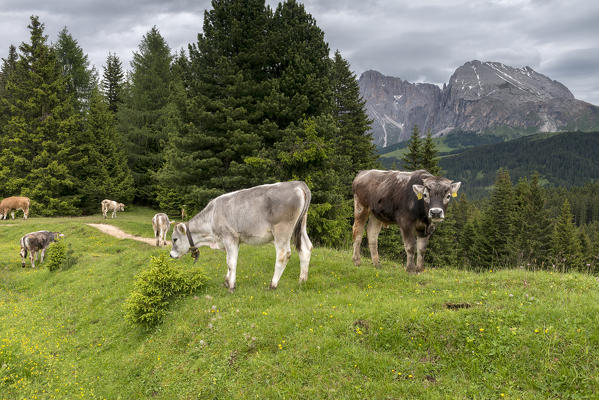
(348, 333)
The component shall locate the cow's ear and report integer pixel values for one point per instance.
(419, 190)
(454, 188)
(181, 228)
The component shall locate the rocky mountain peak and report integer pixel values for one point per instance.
(479, 97)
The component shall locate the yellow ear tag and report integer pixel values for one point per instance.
(419, 195)
(454, 194)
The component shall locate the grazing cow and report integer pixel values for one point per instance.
(36, 241)
(413, 200)
(258, 215)
(12, 204)
(161, 225)
(108, 205)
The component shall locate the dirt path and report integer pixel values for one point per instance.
(120, 234)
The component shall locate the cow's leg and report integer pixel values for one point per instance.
(283, 255)
(26, 213)
(43, 255)
(360, 216)
(232, 249)
(32, 258)
(409, 241)
(114, 213)
(305, 252)
(422, 242)
(12, 214)
(104, 211)
(372, 231)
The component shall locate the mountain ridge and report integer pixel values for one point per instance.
(481, 97)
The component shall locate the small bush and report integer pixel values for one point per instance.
(60, 255)
(156, 286)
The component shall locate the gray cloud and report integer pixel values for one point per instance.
(418, 41)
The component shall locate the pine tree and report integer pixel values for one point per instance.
(113, 81)
(430, 162)
(102, 165)
(412, 160)
(142, 115)
(42, 121)
(81, 79)
(533, 225)
(493, 244)
(565, 244)
(353, 139)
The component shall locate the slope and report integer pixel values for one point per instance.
(348, 333)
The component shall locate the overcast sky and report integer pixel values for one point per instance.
(416, 40)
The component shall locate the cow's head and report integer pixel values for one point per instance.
(181, 244)
(120, 207)
(57, 235)
(436, 192)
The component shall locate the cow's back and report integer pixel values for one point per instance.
(15, 202)
(388, 194)
(259, 208)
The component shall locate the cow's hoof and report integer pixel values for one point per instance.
(377, 266)
(357, 263)
(272, 287)
(226, 283)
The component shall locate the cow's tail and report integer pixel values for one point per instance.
(301, 224)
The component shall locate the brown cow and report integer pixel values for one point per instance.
(12, 204)
(413, 200)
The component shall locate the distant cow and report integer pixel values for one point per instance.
(108, 205)
(413, 200)
(262, 214)
(36, 241)
(161, 225)
(12, 204)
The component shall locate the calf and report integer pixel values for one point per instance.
(258, 215)
(413, 200)
(161, 225)
(12, 204)
(36, 241)
(108, 205)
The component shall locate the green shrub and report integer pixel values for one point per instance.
(56, 255)
(60, 255)
(156, 286)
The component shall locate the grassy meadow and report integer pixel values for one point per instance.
(348, 333)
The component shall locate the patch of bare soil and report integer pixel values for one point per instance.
(120, 234)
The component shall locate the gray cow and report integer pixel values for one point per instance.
(161, 224)
(413, 200)
(37, 241)
(108, 205)
(258, 215)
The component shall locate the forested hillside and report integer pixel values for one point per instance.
(256, 99)
(564, 159)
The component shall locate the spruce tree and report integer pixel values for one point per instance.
(493, 245)
(412, 160)
(533, 225)
(113, 79)
(38, 134)
(102, 168)
(142, 115)
(81, 78)
(565, 244)
(429, 151)
(353, 139)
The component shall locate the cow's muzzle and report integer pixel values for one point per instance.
(436, 214)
